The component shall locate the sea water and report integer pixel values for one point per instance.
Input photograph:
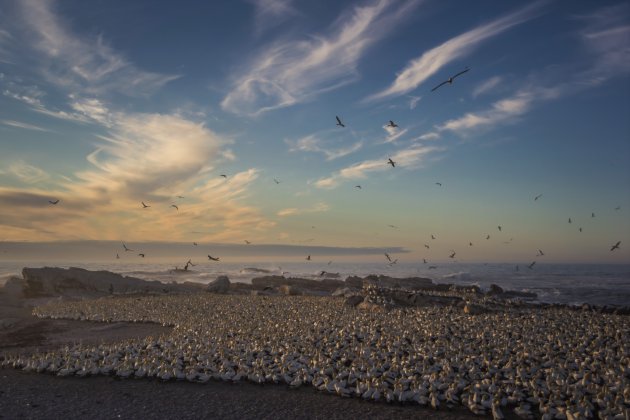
(598, 284)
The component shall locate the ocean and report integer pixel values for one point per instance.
(597, 284)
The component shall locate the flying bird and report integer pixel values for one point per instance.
(432, 236)
(223, 175)
(247, 242)
(392, 124)
(54, 202)
(211, 258)
(450, 79)
(339, 123)
(426, 246)
(141, 255)
(470, 244)
(126, 249)
(488, 237)
(357, 186)
(388, 257)
(592, 214)
(615, 246)
(308, 258)
(176, 208)
(276, 181)
(439, 184)
(117, 256)
(180, 196)
(537, 197)
(531, 266)
(570, 220)
(540, 253)
(580, 229)
(424, 261)
(618, 208)
(144, 206)
(195, 243)
(391, 162)
(452, 255)
(393, 262)
(499, 227)
(393, 226)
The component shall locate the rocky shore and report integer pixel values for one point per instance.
(402, 341)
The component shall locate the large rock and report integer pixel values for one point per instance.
(353, 300)
(78, 282)
(14, 287)
(407, 283)
(220, 285)
(495, 290)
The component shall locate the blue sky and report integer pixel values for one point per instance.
(108, 104)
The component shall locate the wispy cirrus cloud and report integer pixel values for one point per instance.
(77, 62)
(287, 73)
(420, 69)
(27, 173)
(293, 211)
(270, 13)
(312, 143)
(486, 86)
(409, 158)
(26, 126)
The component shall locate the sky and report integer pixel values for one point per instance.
(105, 105)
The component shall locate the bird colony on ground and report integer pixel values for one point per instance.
(554, 362)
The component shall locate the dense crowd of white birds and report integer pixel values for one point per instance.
(552, 362)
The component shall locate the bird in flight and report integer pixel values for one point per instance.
(450, 79)
(570, 220)
(339, 123)
(540, 253)
(388, 257)
(393, 262)
(424, 261)
(223, 175)
(176, 208)
(426, 246)
(531, 266)
(180, 196)
(615, 246)
(592, 214)
(357, 187)
(499, 227)
(470, 244)
(392, 124)
(439, 184)
(117, 256)
(276, 181)
(393, 226)
(126, 249)
(308, 258)
(537, 197)
(391, 162)
(141, 255)
(488, 237)
(195, 243)
(432, 236)
(54, 202)
(452, 255)
(618, 208)
(211, 258)
(144, 206)
(580, 229)
(247, 242)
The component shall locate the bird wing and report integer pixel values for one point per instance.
(338, 120)
(460, 73)
(440, 85)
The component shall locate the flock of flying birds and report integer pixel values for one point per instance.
(390, 261)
